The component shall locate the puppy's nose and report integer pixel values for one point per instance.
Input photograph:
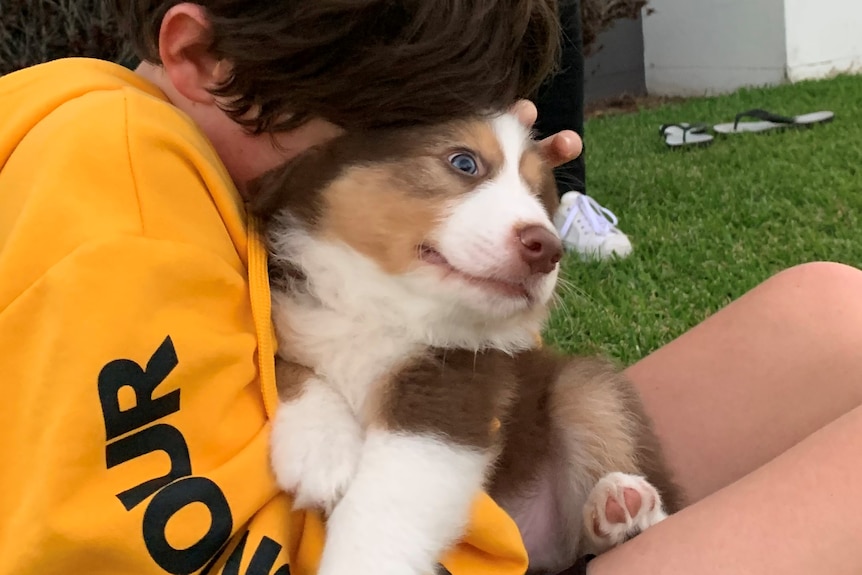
(540, 249)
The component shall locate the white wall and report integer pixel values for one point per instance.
(824, 37)
(695, 47)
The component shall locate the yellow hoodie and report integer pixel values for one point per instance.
(137, 371)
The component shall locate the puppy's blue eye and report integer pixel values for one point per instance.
(464, 162)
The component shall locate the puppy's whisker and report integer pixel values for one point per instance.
(562, 305)
(569, 288)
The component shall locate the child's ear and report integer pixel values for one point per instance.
(184, 48)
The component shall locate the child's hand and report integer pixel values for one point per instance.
(559, 148)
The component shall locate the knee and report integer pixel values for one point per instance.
(820, 280)
(823, 294)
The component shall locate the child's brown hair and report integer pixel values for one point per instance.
(366, 63)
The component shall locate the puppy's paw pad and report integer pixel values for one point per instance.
(619, 507)
(617, 512)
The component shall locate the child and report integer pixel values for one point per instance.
(138, 351)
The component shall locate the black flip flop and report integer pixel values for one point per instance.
(769, 121)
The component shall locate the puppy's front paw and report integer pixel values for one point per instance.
(619, 507)
(314, 454)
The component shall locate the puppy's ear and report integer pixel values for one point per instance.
(295, 187)
(548, 192)
(267, 192)
(550, 195)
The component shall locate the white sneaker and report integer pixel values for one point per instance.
(590, 229)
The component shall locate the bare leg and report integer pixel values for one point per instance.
(757, 377)
(797, 515)
(758, 411)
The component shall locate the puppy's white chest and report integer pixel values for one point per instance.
(352, 355)
(357, 365)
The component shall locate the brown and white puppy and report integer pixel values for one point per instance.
(412, 270)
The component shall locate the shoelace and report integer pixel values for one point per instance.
(600, 219)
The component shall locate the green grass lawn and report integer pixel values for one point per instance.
(709, 224)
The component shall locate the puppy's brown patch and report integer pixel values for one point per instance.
(526, 428)
(457, 394)
(370, 212)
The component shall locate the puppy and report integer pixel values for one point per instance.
(412, 270)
